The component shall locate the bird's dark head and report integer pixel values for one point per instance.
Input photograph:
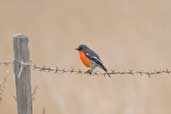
(81, 47)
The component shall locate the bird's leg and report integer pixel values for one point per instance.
(91, 69)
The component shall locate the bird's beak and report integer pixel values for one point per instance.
(76, 49)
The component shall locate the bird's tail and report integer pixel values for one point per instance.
(104, 68)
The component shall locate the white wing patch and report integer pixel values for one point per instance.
(94, 57)
(97, 59)
(87, 54)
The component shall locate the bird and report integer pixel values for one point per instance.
(90, 59)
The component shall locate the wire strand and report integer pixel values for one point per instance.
(56, 69)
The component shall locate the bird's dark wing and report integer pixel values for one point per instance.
(94, 57)
(89, 52)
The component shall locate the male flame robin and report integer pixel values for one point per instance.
(90, 59)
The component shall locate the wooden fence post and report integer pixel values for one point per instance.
(22, 73)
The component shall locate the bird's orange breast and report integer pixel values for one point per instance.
(86, 61)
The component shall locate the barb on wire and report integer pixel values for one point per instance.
(5, 63)
(56, 69)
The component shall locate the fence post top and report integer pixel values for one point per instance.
(19, 35)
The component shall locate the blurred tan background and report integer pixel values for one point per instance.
(127, 34)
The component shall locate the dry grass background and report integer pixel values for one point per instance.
(127, 34)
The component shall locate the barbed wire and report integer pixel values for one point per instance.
(56, 69)
(6, 63)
